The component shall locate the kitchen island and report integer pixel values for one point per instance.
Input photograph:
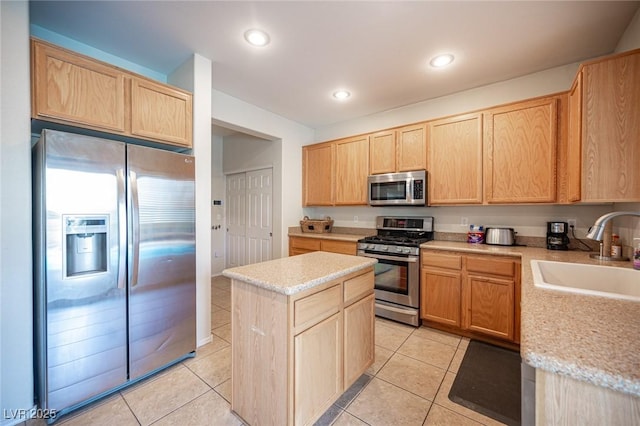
(302, 332)
(585, 349)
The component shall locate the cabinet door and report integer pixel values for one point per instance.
(520, 156)
(440, 295)
(574, 142)
(310, 244)
(455, 160)
(161, 113)
(352, 169)
(344, 247)
(359, 351)
(382, 152)
(318, 174)
(611, 130)
(412, 148)
(317, 369)
(71, 89)
(488, 306)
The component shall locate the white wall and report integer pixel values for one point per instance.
(538, 84)
(16, 299)
(242, 153)
(218, 215)
(237, 114)
(195, 75)
(631, 38)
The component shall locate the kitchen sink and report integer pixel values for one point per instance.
(596, 280)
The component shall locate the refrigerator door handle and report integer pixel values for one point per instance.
(122, 229)
(135, 228)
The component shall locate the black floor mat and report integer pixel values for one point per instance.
(488, 381)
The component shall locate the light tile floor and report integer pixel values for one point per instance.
(407, 385)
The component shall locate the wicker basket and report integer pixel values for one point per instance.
(316, 226)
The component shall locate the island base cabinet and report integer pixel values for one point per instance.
(359, 330)
(294, 355)
(258, 350)
(318, 369)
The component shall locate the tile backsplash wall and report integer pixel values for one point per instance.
(527, 220)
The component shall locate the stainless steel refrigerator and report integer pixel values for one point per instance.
(114, 265)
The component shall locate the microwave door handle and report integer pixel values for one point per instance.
(409, 191)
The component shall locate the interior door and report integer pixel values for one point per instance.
(249, 217)
(259, 221)
(236, 219)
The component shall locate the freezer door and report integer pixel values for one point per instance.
(80, 270)
(162, 270)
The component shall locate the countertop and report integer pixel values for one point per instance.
(344, 234)
(589, 338)
(290, 275)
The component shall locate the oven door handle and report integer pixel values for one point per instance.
(410, 259)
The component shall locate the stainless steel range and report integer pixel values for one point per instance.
(397, 273)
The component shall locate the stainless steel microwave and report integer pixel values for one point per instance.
(398, 189)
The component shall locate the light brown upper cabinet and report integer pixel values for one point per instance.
(76, 90)
(352, 169)
(71, 89)
(382, 152)
(520, 152)
(161, 113)
(412, 148)
(455, 160)
(604, 131)
(398, 150)
(318, 174)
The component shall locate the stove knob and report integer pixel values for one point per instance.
(406, 250)
(400, 249)
(384, 248)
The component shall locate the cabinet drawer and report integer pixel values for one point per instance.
(315, 308)
(449, 261)
(358, 287)
(305, 243)
(491, 266)
(344, 247)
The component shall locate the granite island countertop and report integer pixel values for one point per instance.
(290, 275)
(589, 338)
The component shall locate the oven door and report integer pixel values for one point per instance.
(396, 278)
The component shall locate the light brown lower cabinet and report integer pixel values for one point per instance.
(441, 277)
(301, 245)
(293, 356)
(473, 294)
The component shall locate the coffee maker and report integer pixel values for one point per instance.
(557, 236)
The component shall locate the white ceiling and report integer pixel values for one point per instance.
(377, 50)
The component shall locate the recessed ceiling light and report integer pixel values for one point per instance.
(441, 60)
(256, 37)
(341, 94)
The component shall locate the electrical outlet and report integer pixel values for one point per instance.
(464, 221)
(571, 222)
(355, 218)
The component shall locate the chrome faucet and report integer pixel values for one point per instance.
(596, 231)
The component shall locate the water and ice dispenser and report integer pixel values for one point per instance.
(86, 245)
